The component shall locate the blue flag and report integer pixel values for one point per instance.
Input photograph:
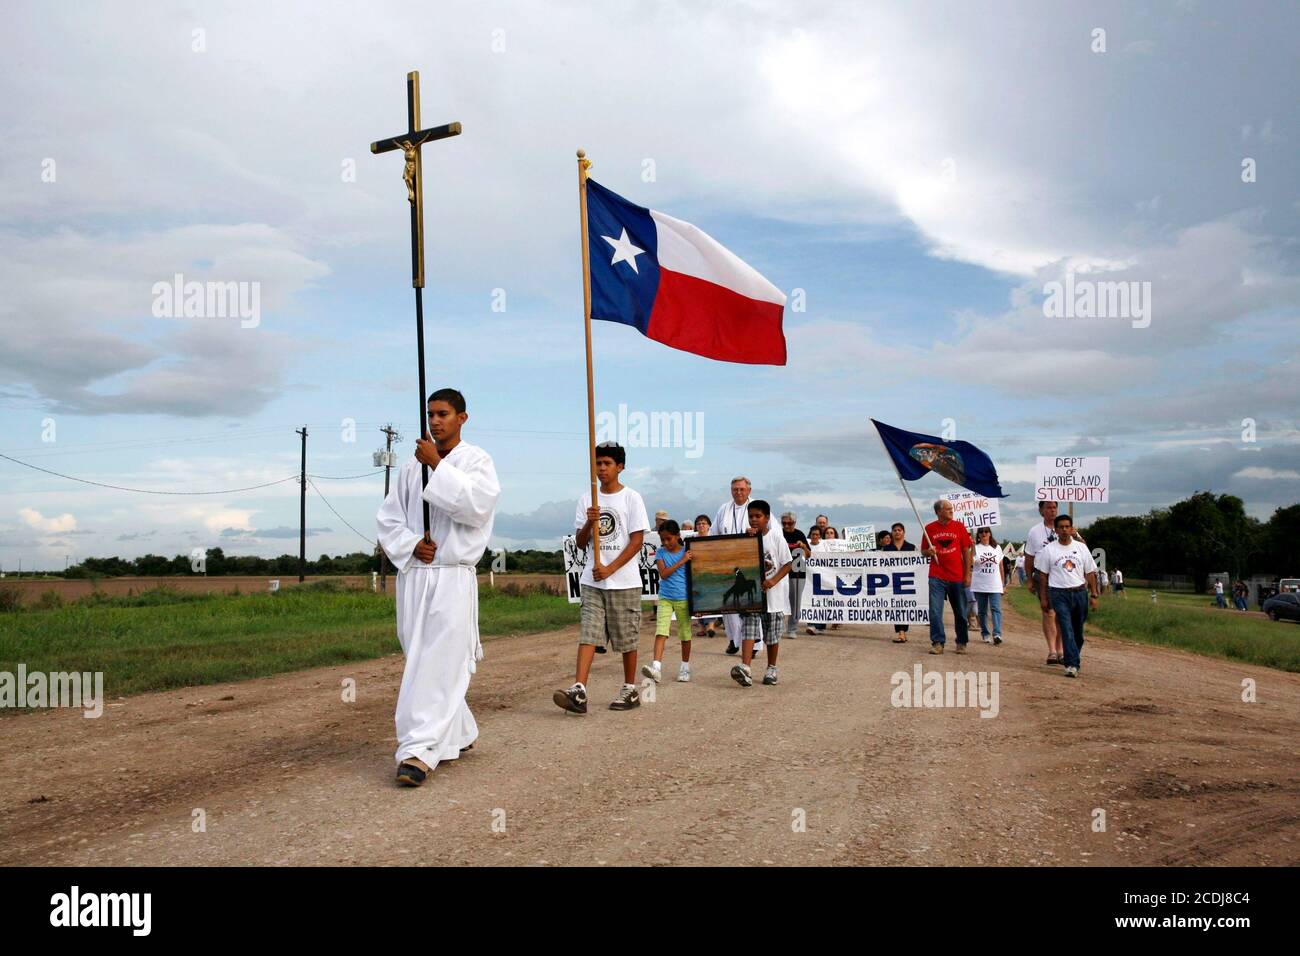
(960, 462)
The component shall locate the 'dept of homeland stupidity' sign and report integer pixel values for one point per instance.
(1072, 478)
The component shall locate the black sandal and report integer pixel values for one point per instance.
(409, 775)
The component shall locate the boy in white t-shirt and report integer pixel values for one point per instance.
(766, 625)
(1070, 587)
(611, 579)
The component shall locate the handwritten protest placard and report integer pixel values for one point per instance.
(861, 537)
(1072, 478)
(974, 511)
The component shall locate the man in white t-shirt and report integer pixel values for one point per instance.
(733, 518)
(1069, 586)
(1039, 535)
(611, 579)
(764, 627)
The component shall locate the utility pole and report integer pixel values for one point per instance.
(386, 459)
(302, 510)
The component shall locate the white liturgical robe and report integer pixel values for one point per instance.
(733, 519)
(437, 604)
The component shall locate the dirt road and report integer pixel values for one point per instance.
(820, 769)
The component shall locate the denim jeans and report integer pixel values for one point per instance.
(954, 592)
(1071, 609)
(985, 601)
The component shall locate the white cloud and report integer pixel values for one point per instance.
(219, 519)
(60, 525)
(79, 328)
(1267, 474)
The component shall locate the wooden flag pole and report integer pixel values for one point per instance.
(583, 165)
(924, 536)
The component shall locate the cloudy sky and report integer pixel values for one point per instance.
(915, 176)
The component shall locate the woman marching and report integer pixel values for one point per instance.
(988, 584)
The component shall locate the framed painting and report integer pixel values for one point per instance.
(725, 574)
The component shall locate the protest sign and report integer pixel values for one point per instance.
(861, 537)
(575, 560)
(1072, 478)
(867, 587)
(974, 511)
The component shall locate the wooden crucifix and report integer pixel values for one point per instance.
(409, 143)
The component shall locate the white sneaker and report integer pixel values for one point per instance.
(652, 671)
(769, 678)
(741, 675)
(986, 639)
(684, 673)
(1072, 672)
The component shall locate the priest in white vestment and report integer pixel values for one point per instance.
(733, 518)
(437, 586)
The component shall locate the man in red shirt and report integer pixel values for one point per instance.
(950, 550)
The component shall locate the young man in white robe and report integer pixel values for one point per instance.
(437, 585)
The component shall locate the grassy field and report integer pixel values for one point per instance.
(160, 639)
(1174, 598)
(1179, 623)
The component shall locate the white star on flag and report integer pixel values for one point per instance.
(624, 251)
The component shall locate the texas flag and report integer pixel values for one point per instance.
(677, 285)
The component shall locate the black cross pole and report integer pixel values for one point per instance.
(409, 143)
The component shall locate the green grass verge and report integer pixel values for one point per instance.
(1174, 598)
(160, 639)
(1227, 634)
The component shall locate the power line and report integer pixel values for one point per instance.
(337, 515)
(146, 491)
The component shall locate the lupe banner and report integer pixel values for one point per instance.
(867, 587)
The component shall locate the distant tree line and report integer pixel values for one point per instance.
(1200, 535)
(218, 563)
(527, 562)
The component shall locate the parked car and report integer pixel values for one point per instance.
(1283, 607)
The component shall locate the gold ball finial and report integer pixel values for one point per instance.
(582, 154)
